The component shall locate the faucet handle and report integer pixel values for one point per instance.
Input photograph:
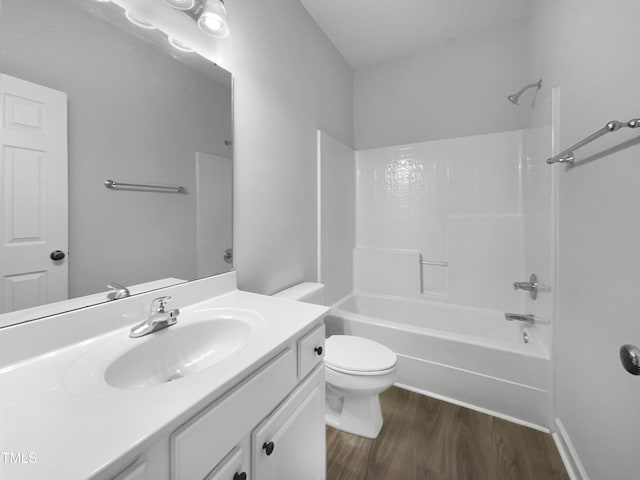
(119, 291)
(158, 305)
(531, 286)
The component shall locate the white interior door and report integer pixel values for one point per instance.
(33, 194)
(214, 212)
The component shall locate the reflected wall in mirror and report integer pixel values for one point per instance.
(138, 112)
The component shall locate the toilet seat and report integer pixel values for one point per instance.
(358, 356)
(358, 372)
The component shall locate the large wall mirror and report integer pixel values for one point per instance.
(87, 96)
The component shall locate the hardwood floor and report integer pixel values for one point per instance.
(427, 439)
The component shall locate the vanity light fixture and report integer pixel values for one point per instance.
(137, 20)
(213, 19)
(178, 45)
(181, 4)
(210, 16)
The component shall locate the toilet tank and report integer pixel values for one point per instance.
(309, 292)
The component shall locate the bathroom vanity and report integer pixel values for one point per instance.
(234, 390)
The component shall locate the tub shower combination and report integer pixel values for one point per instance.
(468, 356)
(443, 227)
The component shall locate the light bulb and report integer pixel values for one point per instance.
(178, 45)
(212, 22)
(138, 21)
(213, 19)
(181, 4)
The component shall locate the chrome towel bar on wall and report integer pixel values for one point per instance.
(433, 263)
(567, 156)
(113, 185)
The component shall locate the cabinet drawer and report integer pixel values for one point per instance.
(230, 468)
(199, 445)
(310, 351)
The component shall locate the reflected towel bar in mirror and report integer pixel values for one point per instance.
(113, 185)
(567, 155)
(433, 263)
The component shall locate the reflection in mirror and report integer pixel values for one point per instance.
(87, 97)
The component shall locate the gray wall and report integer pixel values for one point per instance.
(454, 90)
(599, 208)
(289, 81)
(135, 115)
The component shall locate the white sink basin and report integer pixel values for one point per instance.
(182, 349)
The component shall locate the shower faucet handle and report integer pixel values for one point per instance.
(531, 286)
(524, 286)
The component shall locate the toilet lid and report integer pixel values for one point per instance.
(357, 354)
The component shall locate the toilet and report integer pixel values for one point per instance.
(357, 370)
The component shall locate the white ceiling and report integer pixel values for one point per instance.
(372, 31)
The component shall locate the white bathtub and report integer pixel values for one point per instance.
(468, 356)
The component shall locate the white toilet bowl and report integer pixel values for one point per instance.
(357, 371)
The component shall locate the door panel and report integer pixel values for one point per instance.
(34, 194)
(214, 212)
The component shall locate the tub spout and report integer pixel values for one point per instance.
(521, 317)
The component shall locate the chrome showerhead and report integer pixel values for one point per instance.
(515, 97)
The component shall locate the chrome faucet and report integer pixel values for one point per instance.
(118, 291)
(521, 317)
(158, 319)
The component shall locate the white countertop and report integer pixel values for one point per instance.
(76, 429)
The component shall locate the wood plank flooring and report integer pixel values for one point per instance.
(427, 439)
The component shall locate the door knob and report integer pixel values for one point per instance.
(318, 350)
(57, 255)
(240, 476)
(630, 358)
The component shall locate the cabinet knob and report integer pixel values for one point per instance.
(240, 476)
(318, 350)
(268, 447)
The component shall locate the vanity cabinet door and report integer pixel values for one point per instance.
(290, 444)
(200, 444)
(231, 468)
(137, 471)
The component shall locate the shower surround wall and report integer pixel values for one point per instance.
(446, 227)
(539, 204)
(455, 203)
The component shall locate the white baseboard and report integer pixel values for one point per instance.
(568, 453)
